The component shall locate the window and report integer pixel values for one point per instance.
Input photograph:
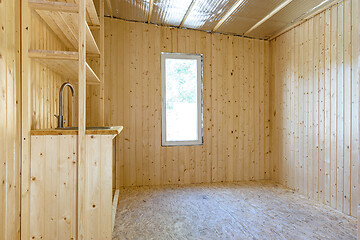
(181, 99)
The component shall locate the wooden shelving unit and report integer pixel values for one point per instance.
(91, 16)
(63, 19)
(64, 63)
(72, 23)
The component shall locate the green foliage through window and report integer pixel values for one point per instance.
(181, 81)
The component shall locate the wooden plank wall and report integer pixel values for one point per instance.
(9, 121)
(315, 107)
(53, 187)
(98, 207)
(236, 106)
(93, 94)
(45, 84)
(358, 74)
(39, 96)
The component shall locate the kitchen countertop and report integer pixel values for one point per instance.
(114, 130)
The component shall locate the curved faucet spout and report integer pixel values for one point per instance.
(61, 117)
(70, 86)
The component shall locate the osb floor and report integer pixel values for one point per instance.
(244, 210)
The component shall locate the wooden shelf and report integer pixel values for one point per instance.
(62, 18)
(91, 16)
(63, 63)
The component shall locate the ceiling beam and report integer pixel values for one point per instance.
(108, 3)
(150, 10)
(228, 14)
(187, 13)
(273, 12)
(314, 11)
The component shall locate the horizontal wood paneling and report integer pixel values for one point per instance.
(236, 106)
(315, 107)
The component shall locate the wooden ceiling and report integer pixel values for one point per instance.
(261, 19)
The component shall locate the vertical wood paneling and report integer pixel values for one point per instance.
(333, 118)
(273, 126)
(51, 181)
(323, 116)
(236, 106)
(214, 108)
(355, 108)
(37, 195)
(40, 91)
(236, 109)
(247, 102)
(45, 83)
(347, 106)
(267, 107)
(311, 151)
(53, 187)
(106, 149)
(9, 121)
(92, 204)
(327, 107)
(340, 108)
(356, 49)
(67, 187)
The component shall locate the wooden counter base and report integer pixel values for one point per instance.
(53, 183)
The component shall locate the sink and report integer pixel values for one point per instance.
(87, 128)
(98, 128)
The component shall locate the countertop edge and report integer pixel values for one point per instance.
(115, 130)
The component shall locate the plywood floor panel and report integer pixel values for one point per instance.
(243, 210)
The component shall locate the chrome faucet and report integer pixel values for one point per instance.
(61, 120)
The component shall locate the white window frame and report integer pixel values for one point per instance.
(199, 58)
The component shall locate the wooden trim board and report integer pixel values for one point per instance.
(114, 207)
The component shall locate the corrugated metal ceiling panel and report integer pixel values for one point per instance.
(248, 15)
(133, 10)
(169, 12)
(206, 13)
(296, 10)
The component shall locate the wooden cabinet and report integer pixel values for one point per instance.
(53, 185)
